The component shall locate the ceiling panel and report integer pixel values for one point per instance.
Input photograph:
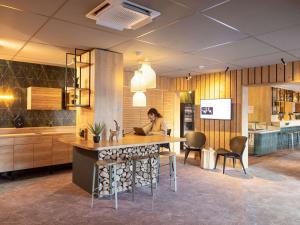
(151, 52)
(9, 47)
(257, 16)
(193, 33)
(182, 61)
(295, 52)
(59, 33)
(45, 7)
(264, 60)
(44, 53)
(18, 25)
(200, 5)
(75, 11)
(240, 49)
(196, 70)
(285, 39)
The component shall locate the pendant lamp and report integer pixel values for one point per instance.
(139, 99)
(149, 75)
(137, 82)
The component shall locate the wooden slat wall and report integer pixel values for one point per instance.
(208, 86)
(229, 85)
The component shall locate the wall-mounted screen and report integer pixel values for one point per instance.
(215, 109)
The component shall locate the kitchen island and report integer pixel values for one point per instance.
(282, 135)
(86, 153)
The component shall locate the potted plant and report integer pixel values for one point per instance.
(96, 130)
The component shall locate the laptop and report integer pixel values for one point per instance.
(139, 131)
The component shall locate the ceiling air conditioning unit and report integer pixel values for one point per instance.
(122, 14)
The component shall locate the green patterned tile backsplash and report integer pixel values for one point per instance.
(17, 76)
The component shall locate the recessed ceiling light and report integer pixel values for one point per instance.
(213, 6)
(201, 66)
(220, 22)
(10, 7)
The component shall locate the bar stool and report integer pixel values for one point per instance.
(111, 165)
(172, 167)
(135, 159)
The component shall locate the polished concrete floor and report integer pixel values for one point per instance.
(268, 195)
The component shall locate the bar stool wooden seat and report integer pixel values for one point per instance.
(111, 166)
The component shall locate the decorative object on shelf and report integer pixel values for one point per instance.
(50, 123)
(291, 115)
(280, 115)
(114, 133)
(148, 74)
(137, 82)
(96, 130)
(78, 73)
(19, 121)
(83, 133)
(139, 99)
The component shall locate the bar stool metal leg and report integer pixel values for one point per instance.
(151, 179)
(174, 173)
(93, 185)
(133, 178)
(116, 186)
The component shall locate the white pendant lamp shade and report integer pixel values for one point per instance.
(139, 99)
(137, 82)
(149, 75)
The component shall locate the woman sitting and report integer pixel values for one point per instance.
(157, 124)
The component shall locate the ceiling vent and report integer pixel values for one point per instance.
(122, 14)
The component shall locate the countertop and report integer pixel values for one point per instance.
(125, 142)
(34, 134)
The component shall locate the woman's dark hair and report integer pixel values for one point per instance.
(154, 112)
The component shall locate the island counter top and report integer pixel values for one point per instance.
(125, 142)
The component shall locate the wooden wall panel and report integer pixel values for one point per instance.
(258, 76)
(289, 72)
(202, 96)
(212, 122)
(239, 102)
(297, 71)
(233, 90)
(245, 78)
(217, 122)
(273, 74)
(265, 74)
(227, 95)
(222, 122)
(251, 76)
(280, 73)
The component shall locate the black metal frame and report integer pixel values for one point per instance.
(78, 53)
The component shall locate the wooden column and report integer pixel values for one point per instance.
(106, 92)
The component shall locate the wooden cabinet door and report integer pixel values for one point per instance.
(6, 158)
(42, 154)
(6, 141)
(23, 156)
(27, 140)
(61, 153)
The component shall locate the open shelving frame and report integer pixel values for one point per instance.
(78, 68)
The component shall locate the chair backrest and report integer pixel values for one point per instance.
(195, 139)
(169, 132)
(238, 144)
